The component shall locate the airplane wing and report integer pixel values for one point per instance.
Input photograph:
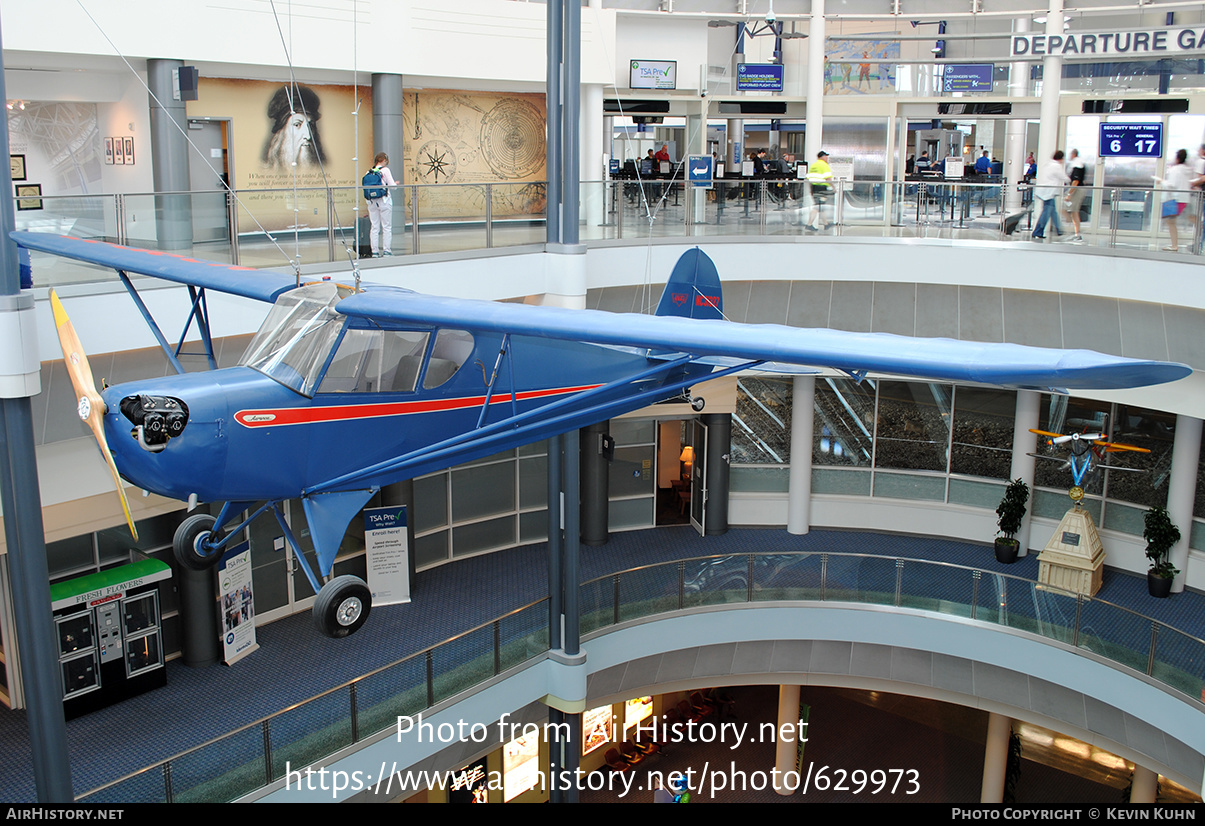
(943, 359)
(263, 285)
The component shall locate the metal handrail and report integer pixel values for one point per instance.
(613, 582)
(348, 685)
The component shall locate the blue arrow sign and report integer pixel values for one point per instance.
(699, 171)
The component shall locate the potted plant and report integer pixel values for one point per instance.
(1010, 511)
(1160, 534)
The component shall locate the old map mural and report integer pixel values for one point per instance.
(469, 139)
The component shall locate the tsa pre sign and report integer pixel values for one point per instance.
(388, 548)
(238, 603)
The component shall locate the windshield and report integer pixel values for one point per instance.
(295, 339)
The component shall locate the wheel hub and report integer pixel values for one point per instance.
(349, 611)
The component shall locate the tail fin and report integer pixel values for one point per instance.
(693, 289)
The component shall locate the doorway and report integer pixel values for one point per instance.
(209, 176)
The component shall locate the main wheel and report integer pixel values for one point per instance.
(342, 606)
(186, 544)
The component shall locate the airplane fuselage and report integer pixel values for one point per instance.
(249, 437)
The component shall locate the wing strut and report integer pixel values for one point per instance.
(503, 353)
(199, 311)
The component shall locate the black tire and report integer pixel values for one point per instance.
(186, 542)
(342, 606)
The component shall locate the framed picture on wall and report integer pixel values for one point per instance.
(16, 164)
(29, 196)
(129, 150)
(108, 150)
(119, 151)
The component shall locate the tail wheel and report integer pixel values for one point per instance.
(188, 546)
(342, 606)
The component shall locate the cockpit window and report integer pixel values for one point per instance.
(297, 336)
(452, 349)
(373, 361)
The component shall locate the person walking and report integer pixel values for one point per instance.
(1176, 188)
(1048, 188)
(820, 176)
(1076, 173)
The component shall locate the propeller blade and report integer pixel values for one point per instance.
(1112, 447)
(91, 407)
(1044, 433)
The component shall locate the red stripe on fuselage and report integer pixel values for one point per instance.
(281, 416)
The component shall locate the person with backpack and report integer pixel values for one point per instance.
(376, 183)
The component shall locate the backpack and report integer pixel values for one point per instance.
(372, 181)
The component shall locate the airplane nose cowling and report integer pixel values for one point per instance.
(168, 439)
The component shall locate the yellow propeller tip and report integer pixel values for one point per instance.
(60, 314)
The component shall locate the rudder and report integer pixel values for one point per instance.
(693, 289)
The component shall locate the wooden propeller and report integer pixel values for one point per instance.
(91, 406)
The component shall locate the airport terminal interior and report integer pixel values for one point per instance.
(768, 546)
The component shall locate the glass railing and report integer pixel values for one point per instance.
(258, 754)
(277, 227)
(238, 763)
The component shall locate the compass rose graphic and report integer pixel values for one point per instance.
(436, 162)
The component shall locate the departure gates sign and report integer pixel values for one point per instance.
(1131, 140)
(1093, 44)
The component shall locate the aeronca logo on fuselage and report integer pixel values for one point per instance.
(256, 418)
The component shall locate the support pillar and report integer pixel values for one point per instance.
(813, 139)
(1182, 490)
(995, 758)
(1052, 81)
(799, 486)
(787, 737)
(1023, 465)
(595, 479)
(387, 129)
(1145, 786)
(169, 157)
(199, 616)
(1014, 128)
(21, 503)
(719, 445)
(594, 145)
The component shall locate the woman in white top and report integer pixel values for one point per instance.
(380, 210)
(1176, 188)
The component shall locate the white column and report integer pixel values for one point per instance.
(787, 735)
(592, 133)
(995, 758)
(1026, 416)
(1145, 785)
(1014, 128)
(1182, 490)
(814, 137)
(799, 484)
(1052, 81)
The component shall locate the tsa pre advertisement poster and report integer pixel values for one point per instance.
(388, 554)
(238, 603)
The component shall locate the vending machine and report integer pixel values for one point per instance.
(109, 635)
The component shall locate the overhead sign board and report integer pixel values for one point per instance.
(654, 74)
(1131, 140)
(1094, 44)
(759, 77)
(968, 77)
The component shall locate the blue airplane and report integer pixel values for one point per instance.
(345, 389)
